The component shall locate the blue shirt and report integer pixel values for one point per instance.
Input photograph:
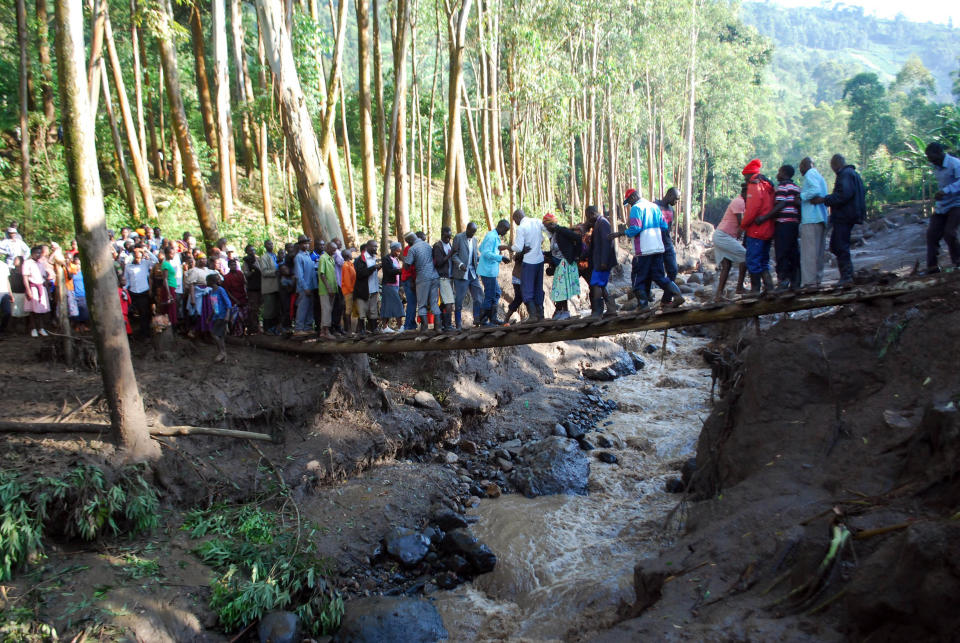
(813, 185)
(221, 303)
(79, 290)
(948, 178)
(490, 257)
(305, 271)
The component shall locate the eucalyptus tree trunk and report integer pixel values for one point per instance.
(46, 70)
(454, 192)
(25, 183)
(398, 129)
(224, 130)
(264, 155)
(203, 82)
(129, 192)
(178, 116)
(127, 418)
(139, 166)
(302, 144)
(371, 216)
(381, 121)
(99, 11)
(688, 186)
(236, 25)
(137, 78)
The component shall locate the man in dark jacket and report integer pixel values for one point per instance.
(848, 207)
(603, 257)
(466, 258)
(443, 262)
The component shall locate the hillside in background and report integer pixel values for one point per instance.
(817, 49)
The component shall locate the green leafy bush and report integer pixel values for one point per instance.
(263, 563)
(82, 504)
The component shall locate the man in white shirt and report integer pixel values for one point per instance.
(14, 246)
(527, 243)
(137, 277)
(6, 299)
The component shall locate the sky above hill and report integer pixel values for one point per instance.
(915, 10)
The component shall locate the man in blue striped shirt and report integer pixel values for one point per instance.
(946, 211)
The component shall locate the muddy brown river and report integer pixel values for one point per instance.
(566, 562)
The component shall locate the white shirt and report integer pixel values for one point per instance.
(137, 276)
(373, 281)
(14, 248)
(529, 234)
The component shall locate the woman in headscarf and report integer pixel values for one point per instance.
(565, 247)
(391, 306)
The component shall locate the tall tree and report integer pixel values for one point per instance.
(204, 96)
(224, 129)
(691, 114)
(240, 67)
(381, 121)
(171, 76)
(129, 192)
(371, 216)
(870, 122)
(25, 182)
(398, 129)
(46, 69)
(455, 185)
(127, 417)
(138, 77)
(313, 183)
(264, 155)
(139, 167)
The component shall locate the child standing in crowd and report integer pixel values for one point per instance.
(786, 213)
(219, 307)
(758, 226)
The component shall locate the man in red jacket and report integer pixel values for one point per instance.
(758, 225)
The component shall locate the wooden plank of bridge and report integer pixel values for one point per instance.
(583, 328)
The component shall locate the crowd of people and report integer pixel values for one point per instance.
(322, 287)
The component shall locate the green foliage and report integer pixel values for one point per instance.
(263, 563)
(81, 504)
(21, 529)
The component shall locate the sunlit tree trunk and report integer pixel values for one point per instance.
(178, 116)
(381, 119)
(454, 194)
(139, 166)
(371, 217)
(25, 183)
(224, 130)
(127, 418)
(99, 12)
(398, 128)
(303, 146)
(688, 187)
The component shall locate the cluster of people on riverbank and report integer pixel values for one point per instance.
(322, 287)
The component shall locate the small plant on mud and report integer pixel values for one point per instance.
(81, 504)
(264, 562)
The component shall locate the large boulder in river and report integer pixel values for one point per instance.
(389, 619)
(551, 466)
(407, 546)
(462, 542)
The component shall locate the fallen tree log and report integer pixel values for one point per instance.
(7, 426)
(584, 327)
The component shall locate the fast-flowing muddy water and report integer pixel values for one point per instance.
(566, 562)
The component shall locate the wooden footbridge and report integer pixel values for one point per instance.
(888, 287)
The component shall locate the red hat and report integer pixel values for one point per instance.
(753, 167)
(548, 217)
(626, 197)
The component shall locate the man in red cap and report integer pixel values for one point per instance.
(758, 226)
